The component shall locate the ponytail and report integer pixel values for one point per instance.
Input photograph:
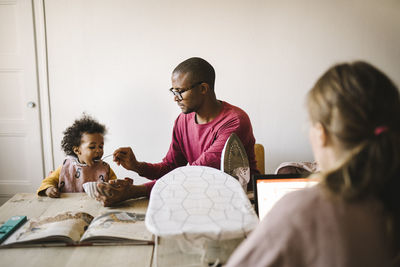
(372, 170)
(360, 108)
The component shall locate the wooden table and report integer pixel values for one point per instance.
(33, 206)
(166, 254)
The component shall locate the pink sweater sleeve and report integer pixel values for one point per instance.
(149, 186)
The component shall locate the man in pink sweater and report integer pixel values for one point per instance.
(199, 133)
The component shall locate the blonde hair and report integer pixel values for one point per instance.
(359, 106)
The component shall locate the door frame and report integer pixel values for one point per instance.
(39, 17)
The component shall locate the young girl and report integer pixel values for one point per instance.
(352, 218)
(83, 144)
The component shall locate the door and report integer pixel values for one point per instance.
(21, 155)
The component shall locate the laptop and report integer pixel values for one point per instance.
(269, 188)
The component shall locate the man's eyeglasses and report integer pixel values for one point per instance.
(178, 91)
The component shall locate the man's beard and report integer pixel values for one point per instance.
(186, 110)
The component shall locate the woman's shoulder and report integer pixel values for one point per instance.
(306, 208)
(317, 210)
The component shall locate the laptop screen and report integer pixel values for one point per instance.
(269, 188)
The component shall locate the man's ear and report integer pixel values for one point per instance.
(204, 88)
(322, 135)
(76, 150)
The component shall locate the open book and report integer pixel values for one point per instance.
(82, 229)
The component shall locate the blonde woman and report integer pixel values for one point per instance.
(352, 218)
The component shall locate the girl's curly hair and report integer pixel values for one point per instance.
(73, 134)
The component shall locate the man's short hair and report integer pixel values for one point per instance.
(200, 70)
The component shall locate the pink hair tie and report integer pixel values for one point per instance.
(380, 129)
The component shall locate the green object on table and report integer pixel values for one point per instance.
(10, 226)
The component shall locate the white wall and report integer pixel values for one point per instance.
(113, 59)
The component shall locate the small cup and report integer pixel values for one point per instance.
(90, 188)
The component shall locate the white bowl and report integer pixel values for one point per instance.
(90, 188)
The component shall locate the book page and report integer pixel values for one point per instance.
(66, 227)
(117, 226)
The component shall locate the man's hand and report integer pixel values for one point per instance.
(124, 156)
(114, 192)
(52, 192)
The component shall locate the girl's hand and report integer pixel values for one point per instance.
(52, 192)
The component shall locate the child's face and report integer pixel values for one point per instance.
(90, 149)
